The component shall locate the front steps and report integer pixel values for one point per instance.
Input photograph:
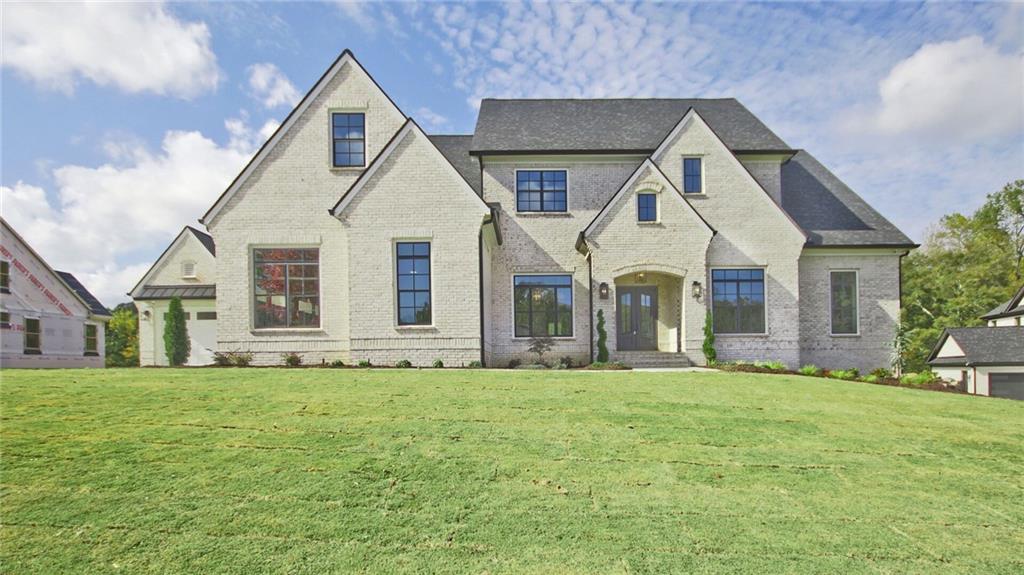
(652, 359)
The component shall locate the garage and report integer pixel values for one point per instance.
(1008, 385)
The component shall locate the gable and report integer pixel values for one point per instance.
(167, 269)
(299, 150)
(950, 348)
(35, 286)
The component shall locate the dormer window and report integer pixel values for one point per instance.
(646, 207)
(348, 131)
(693, 176)
(188, 270)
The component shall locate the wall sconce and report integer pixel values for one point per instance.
(697, 290)
(145, 315)
(641, 277)
(602, 290)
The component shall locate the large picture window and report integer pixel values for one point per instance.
(91, 341)
(738, 301)
(543, 306)
(541, 191)
(286, 287)
(843, 286)
(33, 337)
(349, 135)
(414, 283)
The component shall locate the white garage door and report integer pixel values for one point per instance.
(1008, 385)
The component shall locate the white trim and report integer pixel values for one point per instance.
(429, 240)
(657, 206)
(861, 251)
(252, 287)
(299, 111)
(710, 286)
(658, 174)
(856, 300)
(330, 137)
(399, 137)
(171, 249)
(682, 170)
(559, 159)
(512, 299)
(689, 116)
(541, 212)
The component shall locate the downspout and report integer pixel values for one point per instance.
(590, 291)
(480, 272)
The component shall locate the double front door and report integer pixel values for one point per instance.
(637, 318)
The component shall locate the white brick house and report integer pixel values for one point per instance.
(354, 235)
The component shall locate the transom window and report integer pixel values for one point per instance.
(33, 337)
(647, 207)
(286, 287)
(414, 283)
(737, 304)
(349, 134)
(692, 180)
(543, 306)
(91, 341)
(541, 191)
(843, 286)
(5, 276)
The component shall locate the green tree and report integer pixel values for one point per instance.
(967, 266)
(122, 337)
(602, 338)
(709, 340)
(176, 342)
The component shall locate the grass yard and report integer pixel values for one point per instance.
(405, 471)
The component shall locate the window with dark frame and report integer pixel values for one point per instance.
(206, 315)
(5, 276)
(348, 131)
(737, 301)
(33, 337)
(647, 207)
(413, 271)
(692, 176)
(843, 288)
(187, 315)
(5, 320)
(91, 341)
(286, 288)
(543, 305)
(541, 191)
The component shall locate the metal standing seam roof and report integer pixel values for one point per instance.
(983, 346)
(95, 306)
(203, 291)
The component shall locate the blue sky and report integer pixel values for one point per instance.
(123, 122)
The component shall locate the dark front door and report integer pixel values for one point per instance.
(637, 318)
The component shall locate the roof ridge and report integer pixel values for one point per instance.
(618, 99)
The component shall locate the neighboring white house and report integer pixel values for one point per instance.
(986, 360)
(186, 269)
(47, 317)
(353, 235)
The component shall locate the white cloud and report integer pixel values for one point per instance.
(102, 218)
(430, 118)
(269, 85)
(137, 47)
(965, 89)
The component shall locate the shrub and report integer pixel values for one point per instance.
(475, 364)
(438, 364)
(514, 363)
(232, 359)
(844, 374)
(364, 363)
(540, 346)
(337, 363)
(881, 373)
(810, 369)
(532, 366)
(241, 359)
(567, 362)
(921, 378)
(176, 342)
(709, 340)
(403, 364)
(870, 378)
(608, 366)
(602, 338)
(292, 359)
(771, 365)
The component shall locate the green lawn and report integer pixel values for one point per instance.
(404, 471)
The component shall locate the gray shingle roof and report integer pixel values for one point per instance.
(829, 211)
(1011, 307)
(637, 125)
(984, 346)
(456, 149)
(184, 292)
(94, 304)
(204, 239)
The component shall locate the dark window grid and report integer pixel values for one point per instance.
(5, 320)
(530, 291)
(348, 133)
(738, 298)
(647, 207)
(413, 272)
(541, 191)
(292, 274)
(692, 175)
(843, 286)
(33, 336)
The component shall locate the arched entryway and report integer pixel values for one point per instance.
(648, 311)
